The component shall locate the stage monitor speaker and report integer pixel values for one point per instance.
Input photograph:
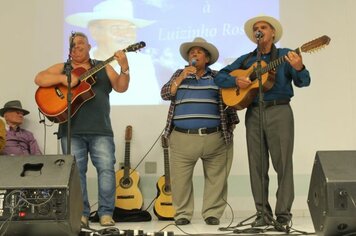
(40, 195)
(332, 193)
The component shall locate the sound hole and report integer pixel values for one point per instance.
(126, 182)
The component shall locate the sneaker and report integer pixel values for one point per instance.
(106, 220)
(84, 222)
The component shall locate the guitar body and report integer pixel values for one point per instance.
(128, 194)
(163, 207)
(242, 98)
(52, 101)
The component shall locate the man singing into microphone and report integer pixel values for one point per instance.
(199, 126)
(278, 121)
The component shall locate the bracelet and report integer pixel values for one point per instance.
(126, 72)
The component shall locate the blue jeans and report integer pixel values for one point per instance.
(102, 154)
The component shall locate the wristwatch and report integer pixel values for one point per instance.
(126, 72)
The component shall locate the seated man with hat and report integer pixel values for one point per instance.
(19, 141)
(2, 135)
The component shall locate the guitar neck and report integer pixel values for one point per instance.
(96, 68)
(167, 175)
(273, 64)
(127, 165)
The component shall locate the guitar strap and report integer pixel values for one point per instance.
(93, 62)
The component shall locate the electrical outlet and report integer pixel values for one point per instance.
(150, 167)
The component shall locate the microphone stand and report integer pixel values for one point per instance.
(268, 218)
(261, 125)
(68, 70)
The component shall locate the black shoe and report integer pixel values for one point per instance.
(282, 224)
(211, 220)
(182, 221)
(261, 221)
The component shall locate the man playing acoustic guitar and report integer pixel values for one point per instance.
(91, 126)
(278, 132)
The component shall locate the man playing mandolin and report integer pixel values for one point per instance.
(91, 126)
(278, 122)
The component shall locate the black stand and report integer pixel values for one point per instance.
(268, 218)
(263, 214)
(68, 70)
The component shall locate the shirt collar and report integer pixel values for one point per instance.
(9, 128)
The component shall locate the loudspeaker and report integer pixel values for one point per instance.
(332, 193)
(40, 195)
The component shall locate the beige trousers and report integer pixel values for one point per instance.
(216, 156)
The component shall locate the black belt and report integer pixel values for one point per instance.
(272, 103)
(200, 131)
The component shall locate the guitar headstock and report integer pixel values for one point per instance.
(316, 44)
(128, 133)
(135, 47)
(164, 141)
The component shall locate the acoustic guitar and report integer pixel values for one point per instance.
(242, 98)
(128, 194)
(52, 101)
(163, 207)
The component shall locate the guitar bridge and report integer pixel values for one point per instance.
(59, 92)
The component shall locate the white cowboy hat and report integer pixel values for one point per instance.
(13, 105)
(199, 42)
(270, 20)
(108, 10)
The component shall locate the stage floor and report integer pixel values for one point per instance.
(301, 226)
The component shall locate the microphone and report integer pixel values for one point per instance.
(72, 44)
(193, 62)
(259, 34)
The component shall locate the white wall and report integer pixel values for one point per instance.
(31, 40)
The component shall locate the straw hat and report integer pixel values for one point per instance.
(13, 105)
(199, 42)
(270, 20)
(108, 10)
